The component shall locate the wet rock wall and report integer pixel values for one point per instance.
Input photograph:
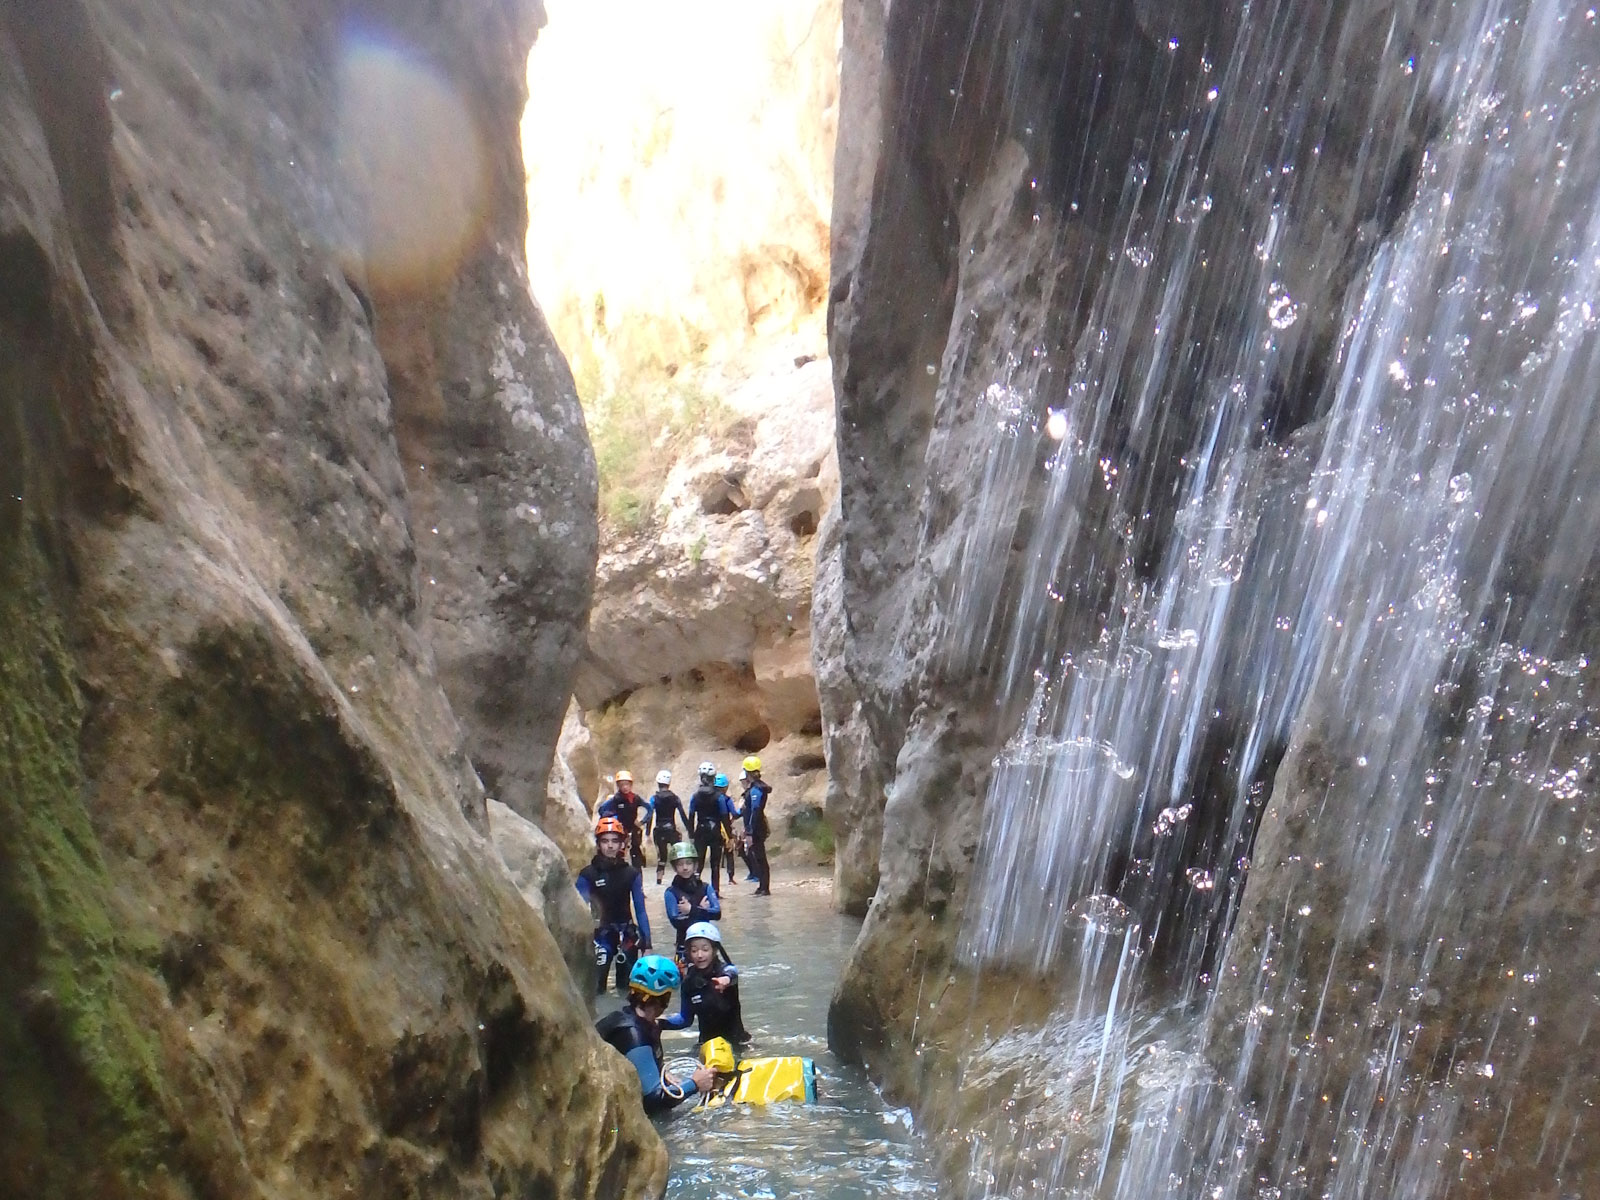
(1030, 199)
(274, 600)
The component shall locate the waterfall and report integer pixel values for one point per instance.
(1340, 598)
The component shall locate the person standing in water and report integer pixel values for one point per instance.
(754, 813)
(661, 817)
(710, 989)
(634, 1032)
(689, 899)
(614, 890)
(730, 813)
(628, 808)
(709, 823)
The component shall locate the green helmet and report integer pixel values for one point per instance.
(683, 850)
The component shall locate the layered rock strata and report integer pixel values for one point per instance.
(295, 544)
(1070, 249)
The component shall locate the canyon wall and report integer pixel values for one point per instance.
(1081, 258)
(295, 555)
(691, 186)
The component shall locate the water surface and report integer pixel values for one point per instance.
(850, 1145)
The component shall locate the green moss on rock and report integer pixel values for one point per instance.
(79, 1092)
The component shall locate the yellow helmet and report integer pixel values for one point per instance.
(624, 777)
(753, 765)
(718, 1055)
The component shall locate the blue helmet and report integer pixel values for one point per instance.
(721, 780)
(655, 975)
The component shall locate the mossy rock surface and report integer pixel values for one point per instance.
(80, 1093)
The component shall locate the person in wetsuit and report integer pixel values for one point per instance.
(730, 840)
(709, 823)
(710, 989)
(754, 813)
(689, 899)
(634, 1032)
(628, 808)
(614, 890)
(661, 817)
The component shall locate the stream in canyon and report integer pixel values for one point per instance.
(850, 1145)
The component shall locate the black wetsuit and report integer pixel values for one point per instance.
(628, 1034)
(665, 810)
(718, 1013)
(707, 818)
(703, 901)
(754, 812)
(626, 808)
(616, 888)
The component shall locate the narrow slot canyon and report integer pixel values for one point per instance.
(1091, 507)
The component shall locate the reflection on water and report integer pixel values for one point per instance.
(849, 1145)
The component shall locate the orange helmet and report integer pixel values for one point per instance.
(609, 825)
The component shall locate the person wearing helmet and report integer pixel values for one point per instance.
(628, 807)
(709, 823)
(614, 890)
(710, 988)
(661, 819)
(634, 1032)
(730, 813)
(753, 812)
(689, 899)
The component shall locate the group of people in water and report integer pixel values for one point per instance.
(709, 828)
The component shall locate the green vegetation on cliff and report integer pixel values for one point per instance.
(79, 1092)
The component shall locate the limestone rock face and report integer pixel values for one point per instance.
(574, 775)
(543, 874)
(257, 938)
(700, 639)
(1038, 324)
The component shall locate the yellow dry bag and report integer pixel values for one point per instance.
(757, 1080)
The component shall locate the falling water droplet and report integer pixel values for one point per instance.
(1103, 914)
(1282, 311)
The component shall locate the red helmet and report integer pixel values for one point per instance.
(609, 825)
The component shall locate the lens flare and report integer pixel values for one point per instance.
(415, 163)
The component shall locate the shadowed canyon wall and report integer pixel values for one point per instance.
(296, 544)
(1214, 546)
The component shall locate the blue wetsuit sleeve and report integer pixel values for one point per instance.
(656, 1096)
(638, 907)
(709, 902)
(731, 971)
(681, 1019)
(584, 889)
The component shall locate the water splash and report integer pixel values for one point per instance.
(1372, 608)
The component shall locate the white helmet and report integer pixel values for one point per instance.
(702, 929)
(664, 778)
(707, 770)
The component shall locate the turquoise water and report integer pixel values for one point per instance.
(850, 1145)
